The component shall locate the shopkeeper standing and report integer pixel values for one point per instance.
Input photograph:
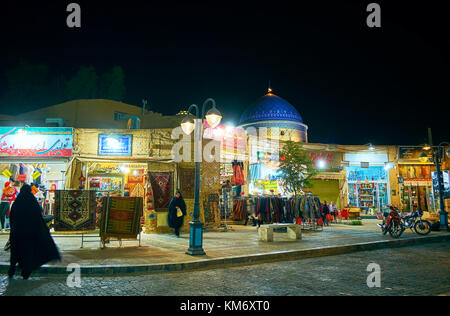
(8, 197)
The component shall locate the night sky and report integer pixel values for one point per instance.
(351, 84)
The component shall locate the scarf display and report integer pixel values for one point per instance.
(240, 207)
(238, 173)
(275, 209)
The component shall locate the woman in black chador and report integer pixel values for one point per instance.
(31, 242)
(177, 211)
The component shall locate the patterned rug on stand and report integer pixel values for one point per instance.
(75, 210)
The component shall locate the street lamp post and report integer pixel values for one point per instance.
(213, 118)
(437, 156)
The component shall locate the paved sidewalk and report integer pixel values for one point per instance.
(239, 245)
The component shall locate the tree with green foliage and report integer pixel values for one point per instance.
(84, 85)
(297, 167)
(112, 84)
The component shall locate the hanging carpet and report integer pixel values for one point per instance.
(162, 187)
(75, 210)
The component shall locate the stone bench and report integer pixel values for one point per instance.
(265, 232)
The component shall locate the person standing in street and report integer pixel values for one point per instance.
(325, 212)
(8, 197)
(177, 212)
(31, 243)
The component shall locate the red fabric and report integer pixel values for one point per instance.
(329, 218)
(9, 193)
(319, 221)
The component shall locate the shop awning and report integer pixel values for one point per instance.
(122, 159)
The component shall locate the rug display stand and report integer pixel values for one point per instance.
(106, 225)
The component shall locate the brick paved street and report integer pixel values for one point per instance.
(418, 270)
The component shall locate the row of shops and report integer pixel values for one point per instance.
(356, 177)
(138, 163)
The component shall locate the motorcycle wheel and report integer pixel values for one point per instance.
(422, 227)
(396, 229)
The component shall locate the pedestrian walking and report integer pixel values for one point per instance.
(333, 209)
(31, 242)
(325, 212)
(177, 212)
(8, 197)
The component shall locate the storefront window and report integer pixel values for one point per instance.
(367, 187)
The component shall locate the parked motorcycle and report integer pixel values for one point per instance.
(393, 224)
(414, 220)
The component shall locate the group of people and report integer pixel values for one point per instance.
(329, 209)
(30, 242)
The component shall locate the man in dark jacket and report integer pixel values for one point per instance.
(31, 243)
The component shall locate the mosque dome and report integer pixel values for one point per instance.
(270, 107)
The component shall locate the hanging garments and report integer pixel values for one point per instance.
(238, 173)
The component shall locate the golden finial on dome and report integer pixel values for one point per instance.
(269, 90)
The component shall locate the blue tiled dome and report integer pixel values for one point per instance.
(270, 108)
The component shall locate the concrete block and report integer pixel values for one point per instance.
(265, 234)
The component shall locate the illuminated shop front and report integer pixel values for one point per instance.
(264, 170)
(368, 180)
(37, 156)
(330, 179)
(415, 179)
(118, 163)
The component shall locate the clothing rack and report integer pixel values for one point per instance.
(305, 209)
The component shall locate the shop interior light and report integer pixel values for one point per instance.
(423, 157)
(321, 164)
(213, 117)
(135, 172)
(426, 147)
(112, 143)
(371, 147)
(187, 125)
(388, 165)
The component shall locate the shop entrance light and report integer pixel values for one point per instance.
(423, 157)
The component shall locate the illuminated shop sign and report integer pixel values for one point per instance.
(36, 141)
(114, 145)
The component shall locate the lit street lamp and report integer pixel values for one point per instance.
(436, 152)
(213, 118)
(437, 157)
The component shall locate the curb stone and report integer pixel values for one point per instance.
(99, 270)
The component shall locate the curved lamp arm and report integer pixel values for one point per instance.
(193, 106)
(205, 103)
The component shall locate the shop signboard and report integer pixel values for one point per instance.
(114, 145)
(7, 173)
(446, 183)
(326, 160)
(410, 155)
(36, 141)
(371, 174)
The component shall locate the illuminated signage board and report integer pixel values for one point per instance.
(36, 141)
(114, 145)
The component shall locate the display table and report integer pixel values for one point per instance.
(294, 231)
(353, 211)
